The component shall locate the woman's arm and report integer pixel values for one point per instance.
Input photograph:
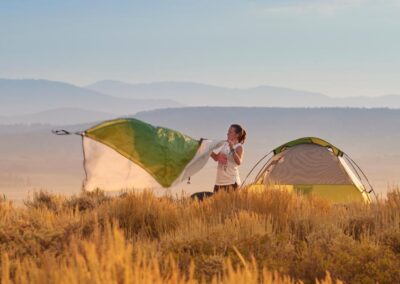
(237, 155)
(214, 156)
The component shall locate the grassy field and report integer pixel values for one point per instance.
(243, 237)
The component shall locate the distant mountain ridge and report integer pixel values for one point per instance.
(25, 96)
(195, 94)
(59, 116)
(41, 101)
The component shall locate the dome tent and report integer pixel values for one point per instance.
(312, 165)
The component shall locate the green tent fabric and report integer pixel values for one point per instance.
(309, 140)
(162, 152)
(126, 153)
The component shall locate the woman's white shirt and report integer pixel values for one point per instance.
(228, 173)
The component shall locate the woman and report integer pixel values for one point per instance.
(229, 159)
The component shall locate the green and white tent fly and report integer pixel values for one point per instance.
(131, 154)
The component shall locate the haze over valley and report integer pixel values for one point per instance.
(32, 158)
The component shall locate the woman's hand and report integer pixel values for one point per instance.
(222, 158)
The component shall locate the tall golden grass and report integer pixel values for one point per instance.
(241, 237)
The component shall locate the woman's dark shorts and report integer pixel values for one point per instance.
(227, 188)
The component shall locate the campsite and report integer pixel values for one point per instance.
(52, 162)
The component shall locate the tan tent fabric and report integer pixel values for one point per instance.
(306, 164)
(312, 168)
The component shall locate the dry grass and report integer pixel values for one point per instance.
(242, 237)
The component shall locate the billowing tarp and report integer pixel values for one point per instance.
(131, 154)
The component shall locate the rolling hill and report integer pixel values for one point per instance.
(195, 94)
(20, 97)
(59, 116)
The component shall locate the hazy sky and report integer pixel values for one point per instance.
(337, 47)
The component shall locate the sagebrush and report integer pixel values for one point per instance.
(240, 237)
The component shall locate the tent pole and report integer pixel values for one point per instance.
(353, 163)
(263, 168)
(244, 181)
(66, 132)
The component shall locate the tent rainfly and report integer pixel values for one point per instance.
(312, 165)
(128, 153)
